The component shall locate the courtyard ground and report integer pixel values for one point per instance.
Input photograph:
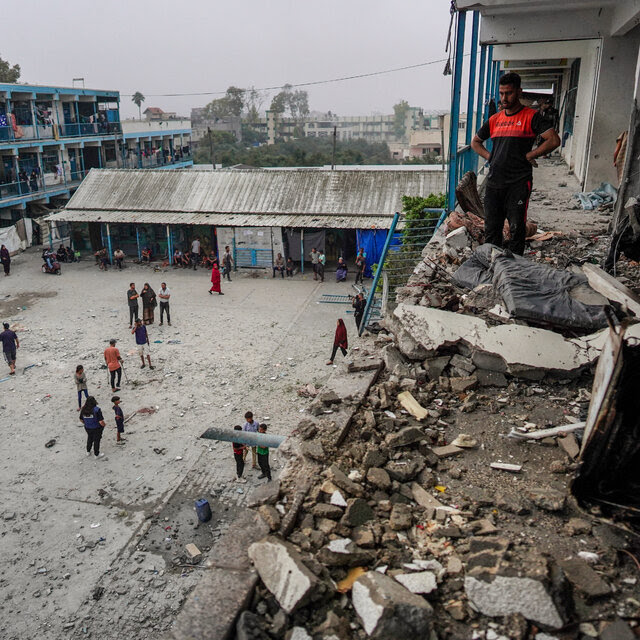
(95, 545)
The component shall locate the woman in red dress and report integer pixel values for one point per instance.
(215, 280)
(339, 341)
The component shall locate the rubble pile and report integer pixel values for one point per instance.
(408, 514)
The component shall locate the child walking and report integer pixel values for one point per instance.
(263, 457)
(81, 384)
(238, 454)
(119, 419)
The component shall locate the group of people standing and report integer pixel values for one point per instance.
(259, 454)
(149, 303)
(319, 261)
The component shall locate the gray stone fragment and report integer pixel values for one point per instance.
(339, 478)
(282, 571)
(435, 366)
(379, 478)
(374, 457)
(357, 513)
(297, 633)
(345, 553)
(313, 449)
(584, 578)
(270, 515)
(401, 517)
(547, 498)
(420, 582)
(462, 363)
(617, 630)
(405, 470)
(488, 378)
(264, 494)
(462, 384)
(324, 510)
(536, 590)
(387, 610)
(404, 437)
(248, 627)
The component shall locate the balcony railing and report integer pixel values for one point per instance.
(154, 161)
(54, 131)
(9, 190)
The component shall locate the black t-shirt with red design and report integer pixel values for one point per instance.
(513, 136)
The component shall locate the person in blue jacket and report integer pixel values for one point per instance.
(93, 420)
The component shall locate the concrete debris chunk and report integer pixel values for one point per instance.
(547, 498)
(298, 633)
(192, 551)
(465, 441)
(584, 578)
(337, 499)
(339, 478)
(282, 571)
(412, 405)
(389, 610)
(447, 451)
(404, 437)
(421, 582)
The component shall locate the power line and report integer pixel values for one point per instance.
(300, 84)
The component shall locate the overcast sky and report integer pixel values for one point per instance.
(195, 46)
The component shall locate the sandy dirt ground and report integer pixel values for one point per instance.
(92, 546)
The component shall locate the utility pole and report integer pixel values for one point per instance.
(213, 158)
(333, 155)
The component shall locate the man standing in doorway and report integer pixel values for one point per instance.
(513, 131)
(227, 262)
(142, 341)
(10, 343)
(195, 252)
(164, 294)
(314, 262)
(132, 299)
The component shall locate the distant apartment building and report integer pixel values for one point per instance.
(373, 128)
(200, 124)
(50, 137)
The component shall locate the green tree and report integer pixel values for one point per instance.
(138, 99)
(9, 73)
(253, 103)
(231, 104)
(400, 111)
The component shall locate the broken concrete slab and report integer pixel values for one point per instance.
(447, 451)
(488, 378)
(389, 610)
(340, 480)
(343, 552)
(501, 595)
(523, 350)
(547, 498)
(364, 364)
(264, 494)
(282, 571)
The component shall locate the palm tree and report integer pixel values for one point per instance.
(138, 98)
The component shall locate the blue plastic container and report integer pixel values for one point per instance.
(203, 510)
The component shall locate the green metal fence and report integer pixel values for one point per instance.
(401, 253)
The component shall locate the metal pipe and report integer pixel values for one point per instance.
(473, 62)
(109, 243)
(455, 111)
(481, 77)
(487, 89)
(169, 247)
(252, 438)
(138, 243)
(376, 277)
(302, 251)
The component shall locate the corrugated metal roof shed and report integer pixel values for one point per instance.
(300, 198)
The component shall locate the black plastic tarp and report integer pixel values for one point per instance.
(531, 291)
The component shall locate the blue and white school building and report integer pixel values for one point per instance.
(51, 137)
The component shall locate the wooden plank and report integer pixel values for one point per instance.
(610, 288)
